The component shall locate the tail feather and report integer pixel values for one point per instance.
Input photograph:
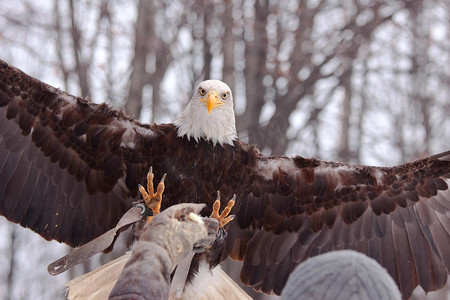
(97, 284)
(213, 284)
(231, 287)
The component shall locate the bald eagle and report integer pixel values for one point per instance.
(69, 169)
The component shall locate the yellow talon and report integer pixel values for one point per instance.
(152, 199)
(223, 218)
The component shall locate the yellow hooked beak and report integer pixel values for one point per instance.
(212, 101)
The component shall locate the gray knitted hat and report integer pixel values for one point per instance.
(340, 275)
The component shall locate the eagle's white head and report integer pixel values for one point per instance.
(209, 114)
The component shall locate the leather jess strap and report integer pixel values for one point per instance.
(95, 246)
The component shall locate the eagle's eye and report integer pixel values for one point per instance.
(202, 91)
(224, 96)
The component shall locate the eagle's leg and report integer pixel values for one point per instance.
(223, 218)
(152, 199)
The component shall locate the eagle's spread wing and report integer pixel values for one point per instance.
(296, 208)
(68, 167)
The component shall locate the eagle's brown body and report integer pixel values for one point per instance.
(70, 168)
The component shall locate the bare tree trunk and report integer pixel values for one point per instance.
(228, 46)
(255, 53)
(207, 56)
(110, 61)
(160, 49)
(81, 67)
(418, 72)
(59, 46)
(363, 108)
(144, 25)
(147, 44)
(344, 152)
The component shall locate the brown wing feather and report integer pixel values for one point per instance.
(68, 167)
(292, 209)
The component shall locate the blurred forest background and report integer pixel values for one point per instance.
(360, 81)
